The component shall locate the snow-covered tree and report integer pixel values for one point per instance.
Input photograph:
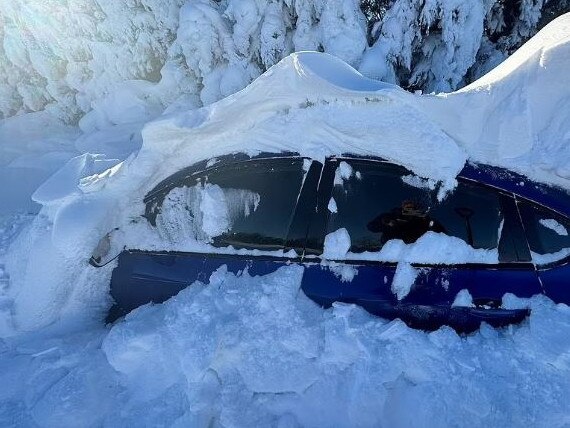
(82, 60)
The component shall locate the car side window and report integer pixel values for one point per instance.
(246, 205)
(472, 213)
(369, 199)
(548, 233)
(377, 202)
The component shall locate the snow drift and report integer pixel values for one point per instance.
(517, 115)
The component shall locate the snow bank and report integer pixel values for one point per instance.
(241, 350)
(518, 115)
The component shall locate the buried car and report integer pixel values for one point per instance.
(367, 232)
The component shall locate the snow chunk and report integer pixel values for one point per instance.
(404, 278)
(214, 209)
(554, 225)
(420, 183)
(463, 299)
(510, 301)
(337, 244)
(332, 205)
(344, 271)
(343, 172)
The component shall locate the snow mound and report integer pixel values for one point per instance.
(518, 115)
(314, 104)
(242, 350)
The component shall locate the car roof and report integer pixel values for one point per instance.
(553, 197)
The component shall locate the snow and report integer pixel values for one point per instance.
(510, 301)
(203, 212)
(404, 279)
(250, 351)
(332, 207)
(306, 101)
(241, 350)
(430, 248)
(343, 271)
(343, 172)
(517, 115)
(464, 299)
(337, 244)
(552, 224)
(544, 259)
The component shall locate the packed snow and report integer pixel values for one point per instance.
(431, 248)
(464, 299)
(517, 115)
(242, 350)
(253, 351)
(552, 224)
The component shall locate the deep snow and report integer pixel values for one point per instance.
(242, 350)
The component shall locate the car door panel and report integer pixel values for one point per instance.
(556, 282)
(143, 277)
(371, 283)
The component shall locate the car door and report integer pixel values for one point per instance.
(249, 216)
(475, 242)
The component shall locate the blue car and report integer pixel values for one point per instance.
(285, 206)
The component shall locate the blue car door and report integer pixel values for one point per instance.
(247, 215)
(390, 216)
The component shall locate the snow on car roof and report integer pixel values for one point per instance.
(314, 104)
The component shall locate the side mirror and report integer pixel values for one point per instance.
(107, 250)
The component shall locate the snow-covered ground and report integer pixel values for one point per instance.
(254, 351)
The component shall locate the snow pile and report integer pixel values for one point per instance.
(518, 115)
(253, 351)
(336, 244)
(430, 248)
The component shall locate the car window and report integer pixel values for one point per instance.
(246, 205)
(366, 200)
(472, 213)
(377, 202)
(548, 233)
